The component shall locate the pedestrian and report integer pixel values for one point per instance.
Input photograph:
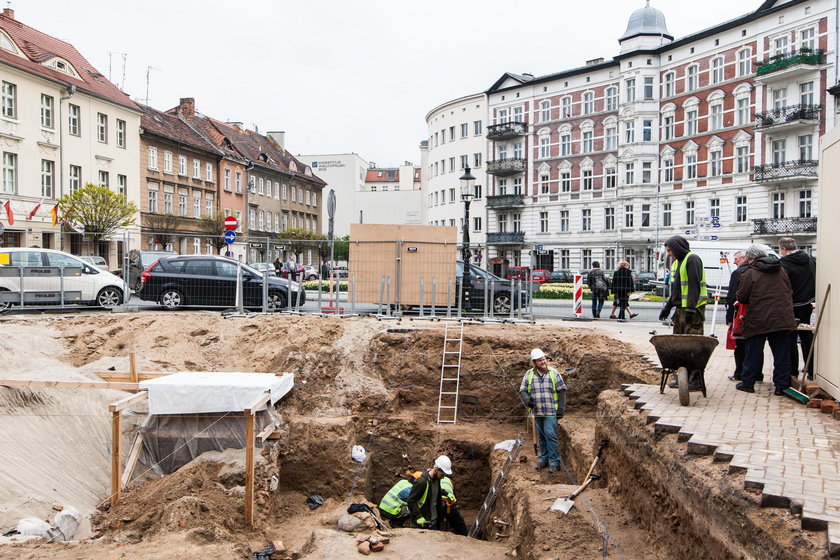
(599, 287)
(543, 392)
(802, 272)
(740, 261)
(688, 288)
(278, 266)
(765, 289)
(425, 498)
(622, 287)
(291, 268)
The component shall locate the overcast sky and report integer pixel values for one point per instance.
(343, 75)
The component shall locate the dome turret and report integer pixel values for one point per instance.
(646, 21)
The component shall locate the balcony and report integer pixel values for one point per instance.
(505, 167)
(507, 130)
(784, 226)
(794, 116)
(786, 171)
(787, 66)
(506, 201)
(506, 238)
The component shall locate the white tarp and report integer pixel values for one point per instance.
(192, 392)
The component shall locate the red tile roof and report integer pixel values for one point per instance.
(39, 48)
(389, 175)
(173, 128)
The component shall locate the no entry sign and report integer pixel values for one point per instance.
(231, 223)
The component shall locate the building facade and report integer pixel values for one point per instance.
(713, 136)
(345, 175)
(391, 195)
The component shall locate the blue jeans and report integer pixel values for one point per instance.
(597, 303)
(547, 435)
(754, 356)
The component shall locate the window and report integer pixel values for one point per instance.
(611, 138)
(807, 39)
(648, 88)
(153, 158)
(237, 181)
(629, 174)
(122, 184)
(102, 128)
(714, 208)
(690, 166)
(477, 129)
(517, 150)
(196, 206)
(666, 214)
(612, 99)
(227, 181)
(646, 172)
(182, 166)
(587, 143)
(544, 188)
(628, 215)
(668, 127)
(451, 133)
(566, 107)
(668, 86)
(586, 181)
(588, 103)
(564, 221)
(565, 181)
(315, 195)
(609, 218)
(477, 223)
(715, 159)
(517, 114)
(517, 222)
(545, 149)
(565, 144)
(691, 122)
(9, 173)
(47, 102)
(586, 219)
(47, 178)
(167, 162)
(261, 186)
(645, 215)
(779, 99)
(691, 78)
(805, 203)
(153, 202)
(502, 153)
(717, 70)
(76, 178)
(806, 93)
(196, 169)
(121, 133)
(167, 203)
(283, 189)
(778, 210)
(742, 111)
(610, 175)
(609, 259)
(744, 62)
(565, 258)
(73, 115)
(182, 205)
(630, 87)
(668, 170)
(647, 127)
(104, 179)
(465, 130)
(586, 259)
(689, 213)
(545, 111)
(543, 222)
(465, 161)
(502, 222)
(503, 119)
(477, 193)
(517, 185)
(477, 159)
(716, 116)
(9, 100)
(779, 149)
(740, 209)
(806, 147)
(252, 219)
(502, 186)
(452, 164)
(742, 159)
(630, 132)
(294, 193)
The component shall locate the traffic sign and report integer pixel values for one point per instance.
(542, 251)
(715, 218)
(231, 223)
(714, 237)
(715, 224)
(690, 232)
(539, 248)
(230, 237)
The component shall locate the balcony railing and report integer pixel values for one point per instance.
(506, 166)
(507, 130)
(784, 115)
(782, 61)
(506, 201)
(767, 226)
(786, 170)
(506, 237)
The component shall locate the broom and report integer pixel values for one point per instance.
(799, 396)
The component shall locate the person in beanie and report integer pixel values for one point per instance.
(688, 288)
(802, 271)
(543, 392)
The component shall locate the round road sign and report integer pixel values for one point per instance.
(230, 237)
(231, 223)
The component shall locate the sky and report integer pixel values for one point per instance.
(341, 76)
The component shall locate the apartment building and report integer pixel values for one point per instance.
(712, 136)
(391, 195)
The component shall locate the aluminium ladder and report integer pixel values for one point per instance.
(450, 374)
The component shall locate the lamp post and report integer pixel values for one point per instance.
(467, 194)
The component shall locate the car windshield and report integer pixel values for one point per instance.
(476, 271)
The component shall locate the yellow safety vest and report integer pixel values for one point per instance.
(447, 489)
(552, 374)
(682, 267)
(397, 497)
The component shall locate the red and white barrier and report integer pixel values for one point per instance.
(578, 295)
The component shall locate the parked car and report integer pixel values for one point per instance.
(540, 276)
(210, 281)
(340, 273)
(265, 268)
(644, 281)
(502, 293)
(310, 272)
(517, 273)
(92, 286)
(138, 261)
(95, 260)
(560, 277)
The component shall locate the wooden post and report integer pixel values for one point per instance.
(132, 368)
(116, 437)
(250, 437)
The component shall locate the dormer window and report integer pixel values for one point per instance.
(6, 44)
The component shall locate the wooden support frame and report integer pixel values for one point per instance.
(116, 409)
(69, 384)
(250, 440)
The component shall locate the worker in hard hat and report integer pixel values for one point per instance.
(543, 392)
(426, 498)
(449, 508)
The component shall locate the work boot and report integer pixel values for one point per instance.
(673, 384)
(553, 469)
(541, 465)
(694, 381)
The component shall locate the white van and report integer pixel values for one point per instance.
(43, 282)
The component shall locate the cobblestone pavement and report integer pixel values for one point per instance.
(790, 452)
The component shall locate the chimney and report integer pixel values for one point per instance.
(9, 13)
(186, 107)
(279, 137)
(528, 75)
(236, 124)
(594, 61)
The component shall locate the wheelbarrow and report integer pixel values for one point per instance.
(680, 354)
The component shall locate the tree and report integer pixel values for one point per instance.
(341, 249)
(166, 227)
(97, 210)
(214, 227)
(297, 240)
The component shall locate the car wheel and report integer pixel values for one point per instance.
(109, 297)
(311, 277)
(171, 299)
(4, 305)
(502, 303)
(276, 302)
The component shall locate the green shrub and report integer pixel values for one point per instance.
(325, 285)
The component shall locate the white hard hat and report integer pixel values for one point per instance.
(444, 464)
(536, 354)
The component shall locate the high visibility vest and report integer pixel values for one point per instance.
(397, 497)
(447, 489)
(683, 270)
(552, 374)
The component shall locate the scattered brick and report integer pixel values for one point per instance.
(377, 547)
(811, 389)
(364, 547)
(814, 403)
(828, 407)
(58, 507)
(837, 414)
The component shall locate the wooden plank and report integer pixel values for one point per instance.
(133, 457)
(127, 401)
(116, 437)
(264, 398)
(68, 384)
(132, 368)
(249, 470)
(126, 376)
(266, 432)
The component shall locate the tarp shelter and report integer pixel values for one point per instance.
(194, 412)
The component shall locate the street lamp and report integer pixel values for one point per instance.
(467, 194)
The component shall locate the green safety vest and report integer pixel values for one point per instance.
(683, 272)
(551, 372)
(392, 502)
(447, 489)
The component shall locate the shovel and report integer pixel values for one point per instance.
(534, 430)
(566, 504)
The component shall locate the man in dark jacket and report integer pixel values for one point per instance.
(801, 269)
(688, 288)
(425, 501)
(765, 289)
(599, 290)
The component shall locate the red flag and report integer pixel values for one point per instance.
(54, 214)
(35, 210)
(9, 213)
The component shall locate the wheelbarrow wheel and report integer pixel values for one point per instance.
(682, 386)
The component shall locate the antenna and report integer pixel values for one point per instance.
(123, 55)
(148, 70)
